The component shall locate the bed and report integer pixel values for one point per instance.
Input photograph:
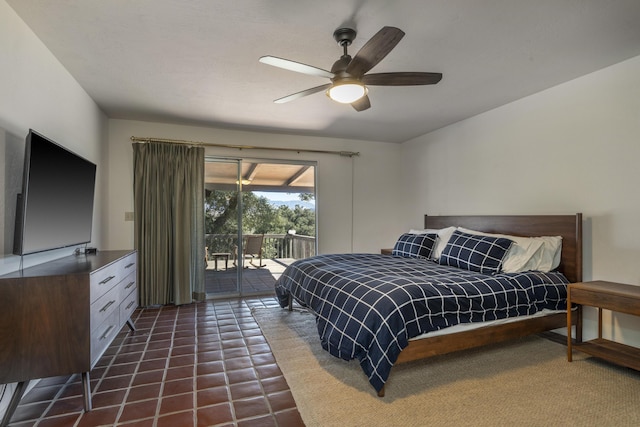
(385, 310)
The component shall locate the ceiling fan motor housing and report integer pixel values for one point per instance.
(340, 66)
(344, 36)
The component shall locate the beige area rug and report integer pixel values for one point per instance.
(523, 383)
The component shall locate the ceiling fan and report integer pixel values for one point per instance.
(348, 75)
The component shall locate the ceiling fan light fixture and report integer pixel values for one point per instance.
(347, 92)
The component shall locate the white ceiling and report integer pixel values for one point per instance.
(196, 61)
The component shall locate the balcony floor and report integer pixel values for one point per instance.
(256, 281)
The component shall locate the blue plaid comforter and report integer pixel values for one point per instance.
(368, 306)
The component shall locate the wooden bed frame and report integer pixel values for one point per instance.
(567, 226)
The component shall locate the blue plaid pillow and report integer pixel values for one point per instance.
(472, 252)
(415, 245)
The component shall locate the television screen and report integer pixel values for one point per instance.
(55, 209)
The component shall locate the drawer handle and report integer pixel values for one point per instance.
(106, 333)
(107, 305)
(130, 285)
(130, 265)
(130, 304)
(106, 280)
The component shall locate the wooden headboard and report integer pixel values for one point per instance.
(567, 226)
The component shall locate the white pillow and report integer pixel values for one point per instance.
(444, 234)
(519, 255)
(547, 258)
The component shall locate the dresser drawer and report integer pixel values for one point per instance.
(102, 336)
(128, 297)
(127, 285)
(102, 308)
(101, 281)
(128, 264)
(128, 305)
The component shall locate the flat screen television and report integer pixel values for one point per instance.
(55, 208)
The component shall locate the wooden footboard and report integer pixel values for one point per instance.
(449, 343)
(443, 344)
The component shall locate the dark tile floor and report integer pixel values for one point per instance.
(205, 364)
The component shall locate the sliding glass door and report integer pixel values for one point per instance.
(222, 225)
(260, 215)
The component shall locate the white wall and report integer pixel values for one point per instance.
(572, 148)
(37, 92)
(357, 197)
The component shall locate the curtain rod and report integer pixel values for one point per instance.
(242, 147)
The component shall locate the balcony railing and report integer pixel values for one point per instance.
(273, 245)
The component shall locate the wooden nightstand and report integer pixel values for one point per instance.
(603, 295)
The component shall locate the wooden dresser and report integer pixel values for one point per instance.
(58, 318)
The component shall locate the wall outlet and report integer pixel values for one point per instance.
(128, 216)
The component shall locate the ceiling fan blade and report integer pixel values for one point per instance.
(298, 67)
(361, 104)
(301, 94)
(374, 50)
(401, 79)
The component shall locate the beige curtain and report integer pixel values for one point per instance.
(169, 222)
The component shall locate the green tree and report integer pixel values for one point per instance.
(221, 213)
(259, 216)
(306, 197)
(300, 219)
(221, 218)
